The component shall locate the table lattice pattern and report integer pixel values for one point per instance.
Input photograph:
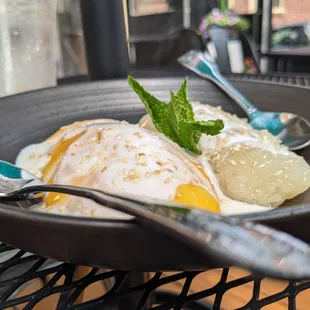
(28, 281)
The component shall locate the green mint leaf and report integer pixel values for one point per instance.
(192, 131)
(176, 120)
(182, 109)
(157, 110)
(183, 90)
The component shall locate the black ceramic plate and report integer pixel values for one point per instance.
(31, 117)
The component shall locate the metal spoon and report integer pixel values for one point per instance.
(228, 240)
(293, 130)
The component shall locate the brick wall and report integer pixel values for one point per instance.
(241, 6)
(295, 11)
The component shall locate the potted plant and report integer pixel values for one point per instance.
(221, 31)
(222, 19)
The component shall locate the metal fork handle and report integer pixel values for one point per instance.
(228, 240)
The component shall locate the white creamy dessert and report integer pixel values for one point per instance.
(250, 165)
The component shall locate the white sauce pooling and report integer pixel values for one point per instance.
(236, 131)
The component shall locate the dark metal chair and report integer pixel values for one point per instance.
(176, 44)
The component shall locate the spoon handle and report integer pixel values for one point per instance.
(198, 63)
(229, 240)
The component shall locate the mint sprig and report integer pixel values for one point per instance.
(176, 119)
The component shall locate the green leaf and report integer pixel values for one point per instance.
(157, 110)
(183, 90)
(176, 120)
(181, 108)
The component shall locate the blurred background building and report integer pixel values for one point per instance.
(159, 30)
(284, 11)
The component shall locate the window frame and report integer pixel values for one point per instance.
(231, 4)
(252, 6)
(133, 12)
(280, 9)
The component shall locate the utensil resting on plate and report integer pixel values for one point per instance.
(293, 130)
(231, 241)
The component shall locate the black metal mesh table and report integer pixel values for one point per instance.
(122, 290)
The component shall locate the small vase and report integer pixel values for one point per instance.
(229, 53)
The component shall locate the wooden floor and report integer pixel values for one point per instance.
(233, 299)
